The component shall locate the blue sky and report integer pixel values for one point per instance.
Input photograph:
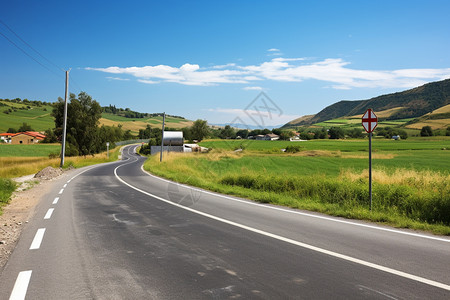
(211, 59)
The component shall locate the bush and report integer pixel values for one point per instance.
(426, 131)
(7, 187)
(293, 149)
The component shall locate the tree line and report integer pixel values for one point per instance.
(84, 136)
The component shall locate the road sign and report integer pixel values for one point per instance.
(369, 120)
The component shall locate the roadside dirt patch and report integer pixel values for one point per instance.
(21, 208)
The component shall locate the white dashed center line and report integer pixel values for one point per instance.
(48, 215)
(61, 191)
(36, 244)
(21, 286)
(64, 186)
(56, 200)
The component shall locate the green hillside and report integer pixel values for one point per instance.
(13, 115)
(37, 114)
(412, 103)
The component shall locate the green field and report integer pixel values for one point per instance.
(37, 117)
(36, 150)
(350, 145)
(152, 120)
(411, 178)
(40, 119)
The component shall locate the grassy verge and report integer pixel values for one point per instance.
(326, 182)
(11, 167)
(7, 187)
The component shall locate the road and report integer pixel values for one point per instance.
(113, 231)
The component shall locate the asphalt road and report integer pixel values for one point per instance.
(115, 232)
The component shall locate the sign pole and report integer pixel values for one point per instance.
(369, 122)
(162, 137)
(370, 169)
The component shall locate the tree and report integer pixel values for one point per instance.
(187, 134)
(83, 115)
(50, 136)
(355, 133)
(145, 133)
(199, 130)
(243, 133)
(336, 133)
(426, 131)
(25, 127)
(11, 130)
(228, 132)
(447, 133)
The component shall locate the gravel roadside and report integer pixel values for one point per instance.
(21, 208)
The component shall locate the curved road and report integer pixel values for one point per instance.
(114, 231)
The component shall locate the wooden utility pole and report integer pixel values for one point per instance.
(63, 147)
(162, 137)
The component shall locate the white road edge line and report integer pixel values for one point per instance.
(21, 286)
(56, 200)
(36, 244)
(49, 213)
(293, 242)
(249, 202)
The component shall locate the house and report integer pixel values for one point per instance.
(28, 137)
(271, 137)
(6, 137)
(259, 137)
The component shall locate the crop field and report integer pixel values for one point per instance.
(411, 178)
(36, 150)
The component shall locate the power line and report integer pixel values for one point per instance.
(9, 28)
(33, 58)
(18, 47)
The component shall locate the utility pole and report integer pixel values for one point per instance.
(63, 147)
(162, 137)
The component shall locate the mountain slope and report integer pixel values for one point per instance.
(412, 103)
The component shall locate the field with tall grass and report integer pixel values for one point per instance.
(18, 166)
(411, 178)
(23, 164)
(33, 150)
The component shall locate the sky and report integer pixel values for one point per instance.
(259, 63)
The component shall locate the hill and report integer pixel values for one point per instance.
(412, 103)
(37, 114)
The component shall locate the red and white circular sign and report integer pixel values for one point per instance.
(369, 120)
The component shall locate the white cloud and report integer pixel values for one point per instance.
(335, 71)
(148, 81)
(253, 88)
(274, 52)
(118, 78)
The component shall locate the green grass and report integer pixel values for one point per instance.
(36, 150)
(38, 118)
(152, 120)
(7, 187)
(411, 192)
(378, 144)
